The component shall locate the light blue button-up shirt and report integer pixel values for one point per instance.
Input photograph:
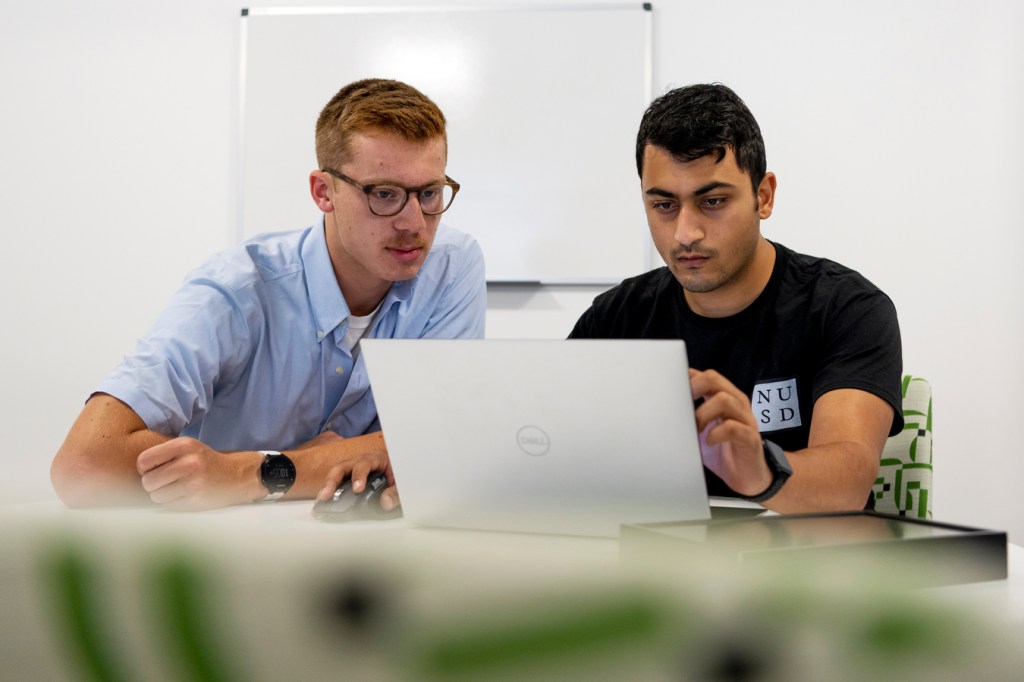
(250, 353)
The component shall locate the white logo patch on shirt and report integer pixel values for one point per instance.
(775, 405)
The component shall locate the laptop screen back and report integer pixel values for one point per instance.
(570, 437)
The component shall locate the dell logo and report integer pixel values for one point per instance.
(532, 441)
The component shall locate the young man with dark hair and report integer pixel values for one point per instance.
(258, 352)
(796, 360)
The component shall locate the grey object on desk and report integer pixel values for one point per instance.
(723, 513)
(346, 505)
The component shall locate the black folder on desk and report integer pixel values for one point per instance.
(914, 552)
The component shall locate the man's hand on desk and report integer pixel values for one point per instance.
(371, 455)
(187, 475)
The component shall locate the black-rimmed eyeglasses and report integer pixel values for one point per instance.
(389, 200)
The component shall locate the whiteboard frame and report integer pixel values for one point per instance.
(643, 248)
(646, 247)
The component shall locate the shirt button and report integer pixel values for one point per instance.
(339, 370)
(319, 335)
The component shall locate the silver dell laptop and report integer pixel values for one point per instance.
(569, 437)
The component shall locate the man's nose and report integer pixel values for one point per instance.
(411, 217)
(689, 227)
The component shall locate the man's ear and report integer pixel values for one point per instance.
(766, 195)
(319, 186)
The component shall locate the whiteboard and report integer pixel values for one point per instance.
(542, 104)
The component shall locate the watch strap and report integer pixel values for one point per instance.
(781, 470)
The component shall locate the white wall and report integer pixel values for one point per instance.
(894, 128)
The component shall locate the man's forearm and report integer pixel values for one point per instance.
(99, 463)
(833, 477)
(835, 472)
(96, 465)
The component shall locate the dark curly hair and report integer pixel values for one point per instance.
(698, 120)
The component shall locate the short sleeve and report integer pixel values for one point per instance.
(202, 338)
(863, 350)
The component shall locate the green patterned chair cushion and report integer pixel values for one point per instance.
(904, 483)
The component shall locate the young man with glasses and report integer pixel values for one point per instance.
(250, 385)
(797, 360)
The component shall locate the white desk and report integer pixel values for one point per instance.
(273, 592)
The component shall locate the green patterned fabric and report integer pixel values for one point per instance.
(904, 483)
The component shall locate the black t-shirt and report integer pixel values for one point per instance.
(817, 326)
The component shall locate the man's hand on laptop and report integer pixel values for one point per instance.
(730, 442)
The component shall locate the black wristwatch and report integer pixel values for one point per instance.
(277, 473)
(780, 468)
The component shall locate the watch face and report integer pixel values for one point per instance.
(278, 473)
(777, 460)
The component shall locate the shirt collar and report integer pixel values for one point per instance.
(325, 299)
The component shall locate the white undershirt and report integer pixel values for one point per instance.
(357, 326)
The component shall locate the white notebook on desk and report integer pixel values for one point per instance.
(570, 437)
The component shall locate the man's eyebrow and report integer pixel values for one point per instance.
(700, 191)
(711, 186)
(395, 183)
